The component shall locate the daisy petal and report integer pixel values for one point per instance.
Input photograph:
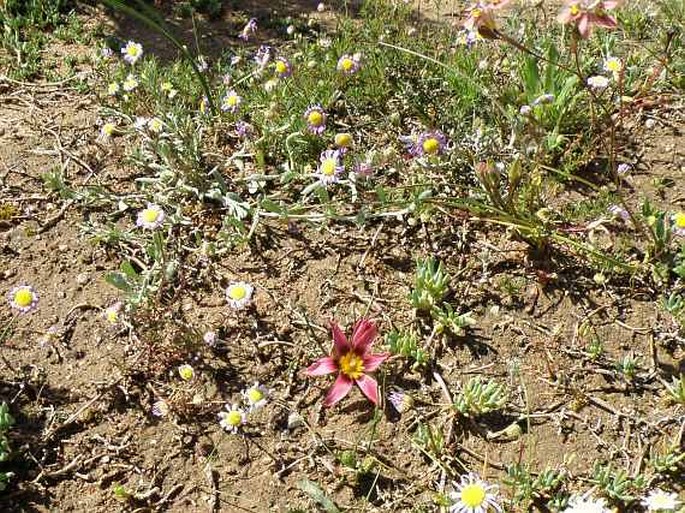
(340, 389)
(369, 388)
(321, 367)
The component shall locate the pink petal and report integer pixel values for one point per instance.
(340, 344)
(321, 367)
(373, 361)
(605, 21)
(611, 4)
(565, 16)
(584, 26)
(340, 389)
(369, 388)
(363, 335)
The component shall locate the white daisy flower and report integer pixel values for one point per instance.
(151, 217)
(132, 51)
(232, 419)
(473, 495)
(23, 298)
(659, 500)
(186, 372)
(112, 313)
(256, 396)
(598, 82)
(239, 294)
(586, 504)
(130, 83)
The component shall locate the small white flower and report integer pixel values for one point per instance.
(130, 83)
(151, 217)
(186, 372)
(613, 64)
(23, 298)
(473, 495)
(112, 313)
(210, 338)
(232, 419)
(659, 500)
(155, 125)
(239, 294)
(108, 130)
(256, 396)
(598, 82)
(321, 7)
(580, 504)
(132, 52)
(113, 89)
(160, 408)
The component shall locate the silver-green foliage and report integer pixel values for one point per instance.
(480, 397)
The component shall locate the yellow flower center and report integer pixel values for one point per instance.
(113, 88)
(473, 495)
(431, 146)
(347, 64)
(476, 13)
(328, 167)
(614, 65)
(574, 10)
(315, 118)
(108, 128)
(661, 502)
(112, 316)
(679, 219)
(255, 395)
(351, 365)
(237, 292)
(23, 297)
(281, 67)
(186, 372)
(150, 215)
(343, 140)
(232, 101)
(132, 51)
(234, 418)
(167, 86)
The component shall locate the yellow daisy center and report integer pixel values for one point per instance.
(315, 118)
(574, 10)
(328, 167)
(613, 65)
(132, 51)
(237, 292)
(679, 219)
(255, 395)
(232, 101)
(347, 64)
(234, 418)
(281, 67)
(473, 495)
(431, 145)
(112, 316)
(186, 372)
(476, 13)
(661, 502)
(108, 129)
(23, 297)
(343, 140)
(150, 215)
(351, 365)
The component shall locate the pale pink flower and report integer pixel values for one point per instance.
(585, 14)
(352, 360)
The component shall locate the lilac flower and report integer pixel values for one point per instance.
(430, 143)
(263, 56)
(283, 68)
(249, 29)
(243, 128)
(106, 53)
(315, 117)
(623, 169)
(349, 64)
(618, 211)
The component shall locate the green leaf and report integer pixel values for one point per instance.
(128, 270)
(318, 495)
(118, 280)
